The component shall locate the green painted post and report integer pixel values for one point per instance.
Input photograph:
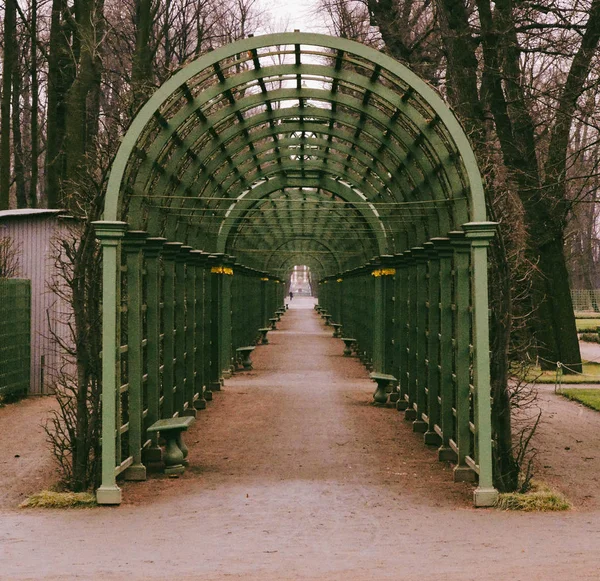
(420, 257)
(225, 280)
(431, 437)
(410, 413)
(378, 319)
(180, 330)
(132, 246)
(109, 234)
(199, 264)
(402, 301)
(480, 234)
(216, 378)
(190, 335)
(462, 354)
(445, 253)
(152, 251)
(170, 252)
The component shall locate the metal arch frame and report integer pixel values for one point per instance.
(255, 224)
(147, 161)
(146, 114)
(279, 183)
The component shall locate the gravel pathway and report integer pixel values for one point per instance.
(294, 475)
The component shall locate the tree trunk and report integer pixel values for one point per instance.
(19, 165)
(35, 101)
(8, 66)
(60, 78)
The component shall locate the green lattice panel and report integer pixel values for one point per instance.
(15, 336)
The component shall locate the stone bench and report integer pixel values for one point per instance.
(383, 381)
(263, 335)
(244, 356)
(350, 344)
(176, 451)
(337, 330)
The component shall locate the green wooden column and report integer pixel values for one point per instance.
(420, 257)
(410, 414)
(180, 330)
(446, 372)
(109, 234)
(462, 355)
(431, 437)
(152, 251)
(225, 280)
(170, 252)
(216, 275)
(199, 264)
(383, 279)
(480, 234)
(402, 292)
(132, 246)
(191, 395)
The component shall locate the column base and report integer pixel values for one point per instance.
(200, 404)
(227, 373)
(485, 497)
(419, 427)
(432, 438)
(135, 472)
(215, 386)
(208, 395)
(410, 414)
(446, 454)
(108, 495)
(464, 474)
(175, 471)
(394, 396)
(189, 412)
(401, 405)
(152, 454)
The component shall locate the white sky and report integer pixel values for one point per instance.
(289, 15)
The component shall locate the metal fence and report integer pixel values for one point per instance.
(586, 300)
(15, 336)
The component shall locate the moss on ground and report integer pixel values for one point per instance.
(52, 499)
(540, 498)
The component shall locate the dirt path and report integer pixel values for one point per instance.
(293, 475)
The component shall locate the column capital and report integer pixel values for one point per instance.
(183, 254)
(480, 232)
(134, 240)
(153, 246)
(107, 231)
(442, 246)
(459, 241)
(171, 249)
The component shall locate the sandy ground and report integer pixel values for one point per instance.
(294, 475)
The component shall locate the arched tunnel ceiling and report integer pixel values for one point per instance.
(295, 149)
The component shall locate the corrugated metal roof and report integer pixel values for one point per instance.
(28, 212)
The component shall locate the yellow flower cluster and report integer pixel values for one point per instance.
(222, 270)
(384, 272)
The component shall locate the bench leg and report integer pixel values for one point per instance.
(173, 456)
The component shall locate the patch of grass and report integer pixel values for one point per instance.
(588, 397)
(540, 498)
(590, 337)
(591, 374)
(587, 315)
(587, 325)
(52, 499)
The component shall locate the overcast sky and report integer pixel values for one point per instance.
(289, 15)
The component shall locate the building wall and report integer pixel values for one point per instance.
(34, 234)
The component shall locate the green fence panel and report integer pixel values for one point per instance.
(15, 336)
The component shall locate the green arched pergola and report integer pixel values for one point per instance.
(295, 149)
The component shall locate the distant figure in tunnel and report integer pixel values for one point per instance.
(291, 295)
